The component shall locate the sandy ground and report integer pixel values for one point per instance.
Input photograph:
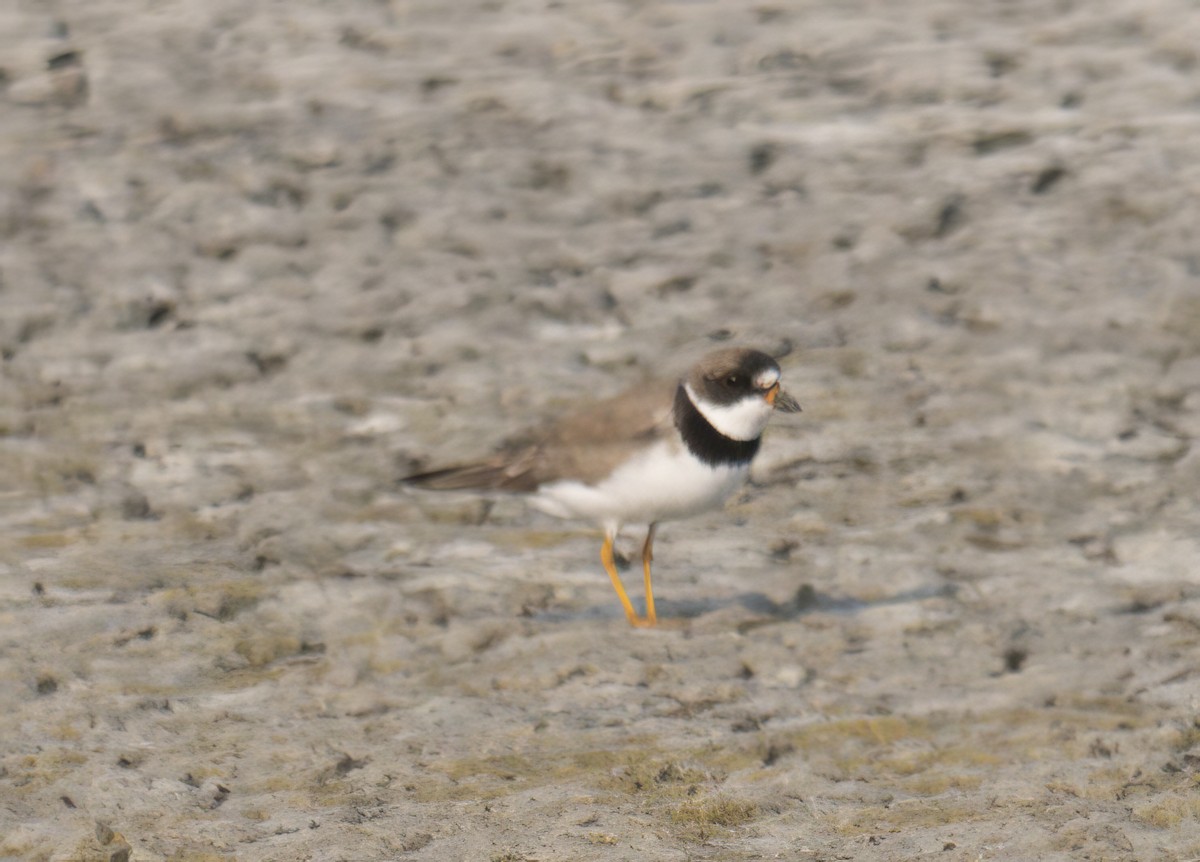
(259, 259)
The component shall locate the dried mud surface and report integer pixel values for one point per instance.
(257, 260)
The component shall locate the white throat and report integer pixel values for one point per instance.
(744, 419)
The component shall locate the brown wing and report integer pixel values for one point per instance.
(585, 445)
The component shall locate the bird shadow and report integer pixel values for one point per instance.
(805, 601)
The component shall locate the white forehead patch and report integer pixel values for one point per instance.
(766, 378)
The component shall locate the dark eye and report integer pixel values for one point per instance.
(733, 380)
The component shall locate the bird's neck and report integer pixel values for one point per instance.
(704, 441)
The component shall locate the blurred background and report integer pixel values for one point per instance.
(259, 260)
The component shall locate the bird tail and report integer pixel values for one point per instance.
(481, 476)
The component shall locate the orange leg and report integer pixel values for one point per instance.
(610, 566)
(647, 556)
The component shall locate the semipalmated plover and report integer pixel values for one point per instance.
(654, 453)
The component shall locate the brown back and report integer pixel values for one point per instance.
(585, 445)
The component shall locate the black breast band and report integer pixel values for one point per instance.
(706, 442)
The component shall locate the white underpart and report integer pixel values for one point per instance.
(664, 483)
(744, 419)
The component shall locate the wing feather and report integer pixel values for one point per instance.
(585, 445)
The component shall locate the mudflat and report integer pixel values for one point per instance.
(260, 260)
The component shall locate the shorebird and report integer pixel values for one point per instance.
(651, 454)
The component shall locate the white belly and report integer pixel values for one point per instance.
(664, 484)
